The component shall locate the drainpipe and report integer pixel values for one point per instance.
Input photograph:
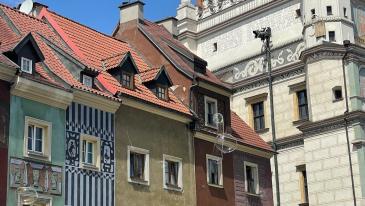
(346, 43)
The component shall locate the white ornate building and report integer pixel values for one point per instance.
(308, 86)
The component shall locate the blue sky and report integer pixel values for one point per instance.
(104, 15)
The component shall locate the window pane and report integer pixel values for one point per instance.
(213, 171)
(83, 151)
(39, 139)
(137, 165)
(30, 137)
(90, 152)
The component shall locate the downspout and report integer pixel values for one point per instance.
(346, 43)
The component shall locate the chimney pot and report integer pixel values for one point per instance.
(131, 11)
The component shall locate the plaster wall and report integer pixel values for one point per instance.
(160, 136)
(19, 109)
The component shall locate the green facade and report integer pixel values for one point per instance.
(19, 109)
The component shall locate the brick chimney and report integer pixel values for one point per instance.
(170, 24)
(131, 11)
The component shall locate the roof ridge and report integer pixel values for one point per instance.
(24, 14)
(88, 27)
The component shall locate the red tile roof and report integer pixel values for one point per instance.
(150, 74)
(160, 36)
(244, 132)
(103, 52)
(26, 24)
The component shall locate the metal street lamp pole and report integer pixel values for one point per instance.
(346, 44)
(265, 36)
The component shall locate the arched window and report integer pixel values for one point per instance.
(362, 82)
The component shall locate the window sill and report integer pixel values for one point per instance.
(216, 186)
(303, 204)
(138, 181)
(38, 156)
(334, 101)
(211, 126)
(262, 131)
(253, 194)
(173, 188)
(89, 167)
(301, 121)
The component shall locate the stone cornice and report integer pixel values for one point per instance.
(41, 93)
(331, 123)
(214, 27)
(96, 101)
(289, 142)
(323, 51)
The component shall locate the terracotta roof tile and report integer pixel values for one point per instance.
(103, 52)
(163, 38)
(149, 75)
(242, 131)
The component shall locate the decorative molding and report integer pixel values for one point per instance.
(96, 101)
(156, 110)
(41, 93)
(289, 142)
(225, 92)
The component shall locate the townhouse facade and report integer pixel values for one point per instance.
(238, 178)
(315, 75)
(91, 122)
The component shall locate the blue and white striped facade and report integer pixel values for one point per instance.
(87, 187)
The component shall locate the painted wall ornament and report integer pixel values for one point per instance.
(256, 66)
(43, 178)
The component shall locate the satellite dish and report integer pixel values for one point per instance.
(30, 195)
(26, 7)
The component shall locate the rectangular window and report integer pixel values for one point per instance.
(161, 92)
(215, 47)
(329, 10)
(26, 65)
(172, 173)
(210, 110)
(127, 80)
(251, 178)
(345, 12)
(90, 152)
(138, 165)
(87, 80)
(37, 138)
(258, 116)
(214, 171)
(313, 12)
(302, 104)
(332, 36)
(303, 183)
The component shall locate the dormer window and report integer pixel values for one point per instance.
(127, 80)
(87, 80)
(210, 110)
(26, 65)
(161, 92)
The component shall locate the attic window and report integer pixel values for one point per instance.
(87, 80)
(161, 92)
(27, 65)
(127, 80)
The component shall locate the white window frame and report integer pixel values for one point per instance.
(46, 139)
(43, 198)
(84, 76)
(180, 175)
(206, 100)
(30, 71)
(146, 165)
(96, 155)
(250, 164)
(220, 170)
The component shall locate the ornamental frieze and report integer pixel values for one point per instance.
(256, 66)
(43, 178)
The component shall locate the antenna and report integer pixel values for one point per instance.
(26, 7)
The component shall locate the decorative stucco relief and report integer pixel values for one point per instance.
(250, 68)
